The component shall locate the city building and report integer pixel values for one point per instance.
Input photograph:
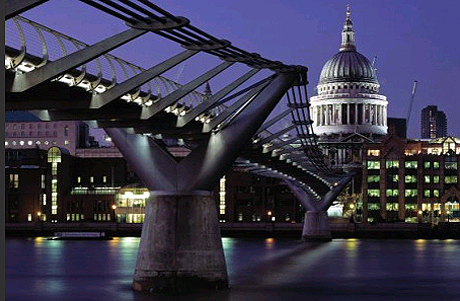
(23, 130)
(53, 186)
(433, 123)
(411, 180)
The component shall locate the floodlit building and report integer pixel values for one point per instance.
(411, 180)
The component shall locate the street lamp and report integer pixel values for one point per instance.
(113, 208)
(115, 217)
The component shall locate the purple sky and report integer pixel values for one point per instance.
(413, 40)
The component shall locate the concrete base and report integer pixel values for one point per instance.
(316, 227)
(180, 250)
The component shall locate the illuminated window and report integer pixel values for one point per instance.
(16, 180)
(392, 192)
(427, 164)
(410, 206)
(394, 178)
(426, 193)
(409, 193)
(66, 142)
(54, 155)
(44, 199)
(373, 164)
(222, 195)
(426, 179)
(410, 164)
(29, 217)
(410, 179)
(91, 179)
(436, 193)
(392, 206)
(450, 179)
(78, 180)
(450, 165)
(104, 179)
(373, 179)
(436, 164)
(373, 152)
(42, 182)
(436, 179)
(373, 206)
(373, 192)
(392, 163)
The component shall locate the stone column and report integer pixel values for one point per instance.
(375, 114)
(348, 114)
(180, 248)
(356, 114)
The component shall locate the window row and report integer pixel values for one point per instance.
(410, 164)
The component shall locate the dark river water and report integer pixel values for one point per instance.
(258, 269)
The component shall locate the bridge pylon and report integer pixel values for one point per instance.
(181, 247)
(316, 225)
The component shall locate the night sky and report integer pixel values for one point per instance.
(413, 40)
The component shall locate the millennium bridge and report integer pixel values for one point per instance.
(258, 121)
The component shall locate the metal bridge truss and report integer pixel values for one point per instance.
(87, 86)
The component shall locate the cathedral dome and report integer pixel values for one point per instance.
(348, 99)
(348, 66)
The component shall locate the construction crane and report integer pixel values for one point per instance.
(414, 89)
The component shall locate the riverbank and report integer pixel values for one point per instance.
(294, 230)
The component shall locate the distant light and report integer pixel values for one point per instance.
(39, 213)
(114, 207)
(269, 213)
(420, 212)
(352, 206)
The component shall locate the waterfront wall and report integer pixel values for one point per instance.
(294, 230)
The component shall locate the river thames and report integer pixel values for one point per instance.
(258, 269)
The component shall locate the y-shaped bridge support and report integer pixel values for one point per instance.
(180, 247)
(316, 225)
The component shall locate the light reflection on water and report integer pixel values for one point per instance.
(258, 269)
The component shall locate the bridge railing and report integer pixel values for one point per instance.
(98, 75)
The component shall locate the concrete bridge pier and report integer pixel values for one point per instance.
(181, 246)
(316, 225)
